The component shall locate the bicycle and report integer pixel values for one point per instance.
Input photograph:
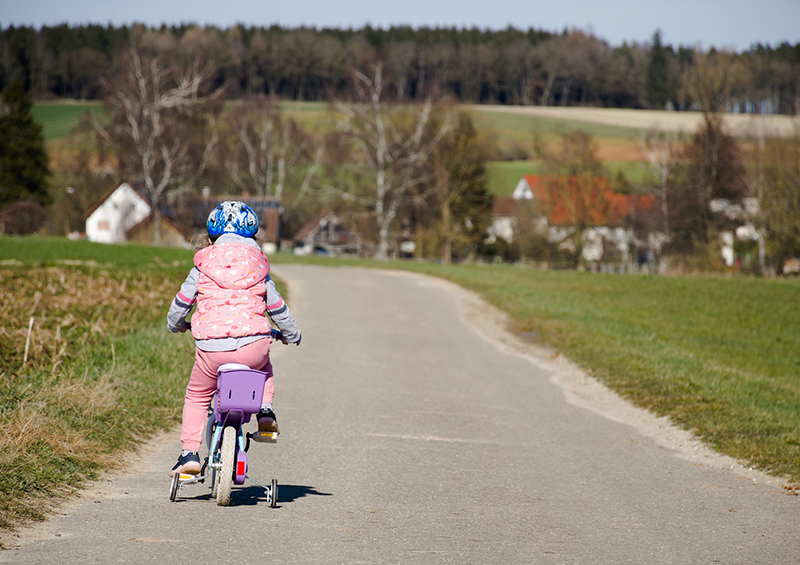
(238, 397)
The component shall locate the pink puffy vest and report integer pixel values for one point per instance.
(231, 289)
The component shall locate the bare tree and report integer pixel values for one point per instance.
(268, 148)
(663, 152)
(713, 80)
(393, 143)
(776, 181)
(163, 128)
(712, 169)
(550, 54)
(401, 61)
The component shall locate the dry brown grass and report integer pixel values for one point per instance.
(68, 307)
(59, 402)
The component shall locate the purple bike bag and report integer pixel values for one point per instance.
(240, 389)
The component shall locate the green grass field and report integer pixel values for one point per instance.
(521, 127)
(512, 132)
(60, 118)
(720, 357)
(503, 176)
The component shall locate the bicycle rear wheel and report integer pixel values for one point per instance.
(224, 478)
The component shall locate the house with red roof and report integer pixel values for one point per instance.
(576, 212)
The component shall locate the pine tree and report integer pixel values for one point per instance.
(657, 82)
(23, 158)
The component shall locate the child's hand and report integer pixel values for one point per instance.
(278, 336)
(186, 326)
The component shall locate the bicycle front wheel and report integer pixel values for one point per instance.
(224, 478)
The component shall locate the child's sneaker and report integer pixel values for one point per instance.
(267, 427)
(188, 464)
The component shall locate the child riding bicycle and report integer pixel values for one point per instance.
(231, 286)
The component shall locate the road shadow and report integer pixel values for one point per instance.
(290, 493)
(254, 494)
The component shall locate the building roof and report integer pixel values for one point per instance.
(166, 210)
(565, 200)
(148, 220)
(136, 188)
(311, 225)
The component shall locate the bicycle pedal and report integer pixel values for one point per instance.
(265, 437)
(187, 477)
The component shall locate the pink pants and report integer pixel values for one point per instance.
(203, 384)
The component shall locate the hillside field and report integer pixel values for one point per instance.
(615, 122)
(616, 132)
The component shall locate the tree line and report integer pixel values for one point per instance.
(471, 65)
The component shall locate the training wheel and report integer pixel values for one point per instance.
(273, 499)
(173, 491)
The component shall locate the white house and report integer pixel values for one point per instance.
(739, 223)
(122, 208)
(523, 190)
(504, 210)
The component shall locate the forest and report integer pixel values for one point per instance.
(470, 65)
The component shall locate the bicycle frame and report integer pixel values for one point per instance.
(238, 397)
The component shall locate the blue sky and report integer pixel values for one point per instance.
(720, 23)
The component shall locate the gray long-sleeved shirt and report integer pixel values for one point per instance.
(276, 309)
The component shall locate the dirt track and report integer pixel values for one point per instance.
(686, 122)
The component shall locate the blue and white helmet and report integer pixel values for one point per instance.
(232, 216)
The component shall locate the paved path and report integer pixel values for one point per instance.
(408, 437)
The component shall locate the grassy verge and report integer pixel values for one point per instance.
(86, 370)
(719, 356)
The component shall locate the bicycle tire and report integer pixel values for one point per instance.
(227, 461)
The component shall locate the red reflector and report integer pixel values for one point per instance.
(240, 468)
